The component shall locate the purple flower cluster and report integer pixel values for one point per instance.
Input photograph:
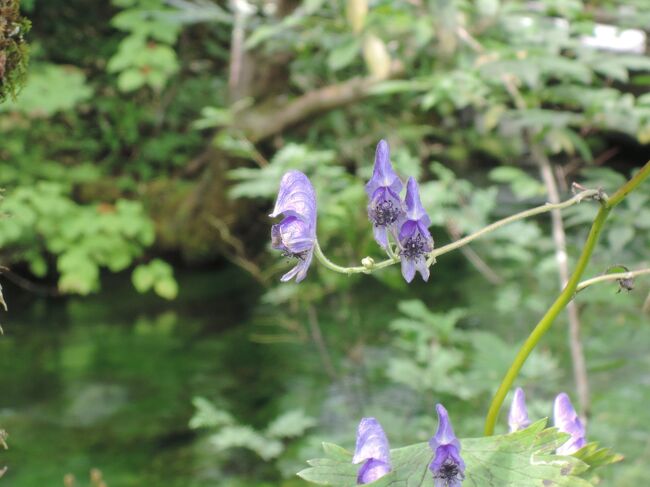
(373, 452)
(405, 221)
(565, 420)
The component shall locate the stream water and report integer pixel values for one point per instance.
(106, 381)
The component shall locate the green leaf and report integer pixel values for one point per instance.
(166, 288)
(522, 185)
(130, 80)
(290, 424)
(247, 437)
(522, 459)
(208, 416)
(343, 55)
(595, 456)
(50, 88)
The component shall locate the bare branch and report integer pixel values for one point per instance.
(273, 116)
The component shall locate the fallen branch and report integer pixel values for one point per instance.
(273, 116)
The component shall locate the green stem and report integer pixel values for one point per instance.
(394, 259)
(611, 277)
(563, 299)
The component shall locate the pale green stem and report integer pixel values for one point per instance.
(611, 277)
(565, 296)
(318, 252)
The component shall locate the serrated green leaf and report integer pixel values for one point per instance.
(522, 459)
(595, 456)
(290, 424)
(208, 416)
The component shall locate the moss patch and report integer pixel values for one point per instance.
(13, 49)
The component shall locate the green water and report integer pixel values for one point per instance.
(106, 382)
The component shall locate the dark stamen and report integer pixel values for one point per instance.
(385, 213)
(449, 472)
(413, 247)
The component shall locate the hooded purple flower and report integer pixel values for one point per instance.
(414, 238)
(566, 420)
(372, 449)
(518, 417)
(448, 467)
(385, 207)
(295, 235)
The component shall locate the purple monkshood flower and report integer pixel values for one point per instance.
(518, 417)
(372, 449)
(448, 467)
(414, 238)
(295, 235)
(385, 207)
(566, 420)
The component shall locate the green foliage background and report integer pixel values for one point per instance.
(150, 139)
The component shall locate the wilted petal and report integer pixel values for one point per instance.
(518, 417)
(567, 421)
(383, 174)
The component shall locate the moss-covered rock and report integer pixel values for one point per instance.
(13, 49)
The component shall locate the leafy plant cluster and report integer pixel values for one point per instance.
(462, 90)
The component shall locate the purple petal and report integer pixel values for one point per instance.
(296, 234)
(414, 208)
(296, 197)
(408, 229)
(422, 267)
(300, 270)
(446, 453)
(518, 417)
(566, 420)
(372, 470)
(408, 269)
(292, 235)
(383, 174)
(381, 236)
(371, 442)
(424, 231)
(445, 434)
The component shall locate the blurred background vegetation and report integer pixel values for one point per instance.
(148, 335)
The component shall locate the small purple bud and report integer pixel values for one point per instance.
(414, 237)
(448, 467)
(566, 420)
(372, 449)
(518, 417)
(295, 235)
(385, 207)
